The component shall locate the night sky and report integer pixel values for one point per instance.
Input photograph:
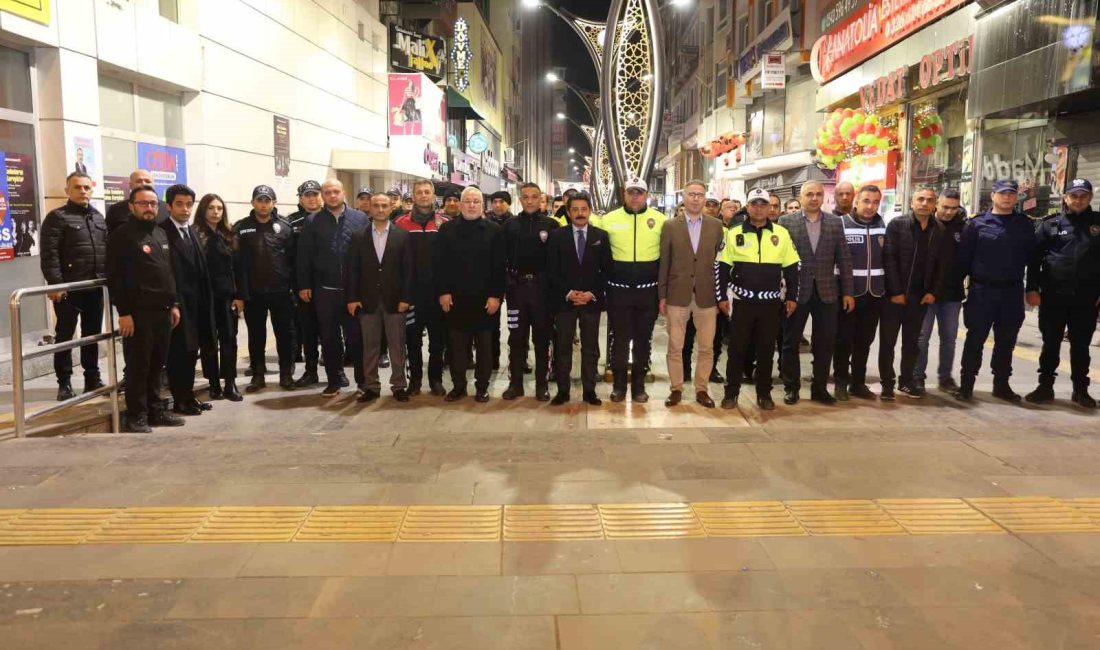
(569, 51)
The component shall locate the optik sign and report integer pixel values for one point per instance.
(414, 52)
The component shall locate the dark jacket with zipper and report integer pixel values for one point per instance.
(323, 248)
(866, 241)
(952, 280)
(139, 268)
(900, 252)
(219, 263)
(525, 242)
(1067, 256)
(74, 244)
(265, 256)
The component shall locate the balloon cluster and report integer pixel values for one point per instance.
(847, 133)
(927, 130)
(724, 144)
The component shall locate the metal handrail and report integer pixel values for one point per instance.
(18, 356)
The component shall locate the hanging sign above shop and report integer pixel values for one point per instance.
(855, 30)
(774, 76)
(776, 37)
(478, 143)
(412, 52)
(461, 55)
(946, 64)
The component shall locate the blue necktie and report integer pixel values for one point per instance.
(580, 246)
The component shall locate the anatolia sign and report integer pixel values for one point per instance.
(855, 30)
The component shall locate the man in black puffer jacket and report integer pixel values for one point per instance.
(948, 306)
(74, 248)
(913, 260)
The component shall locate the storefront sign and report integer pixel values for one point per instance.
(947, 63)
(855, 30)
(36, 10)
(414, 52)
(490, 166)
(1028, 170)
(477, 144)
(168, 165)
(774, 75)
(888, 89)
(462, 55)
(22, 208)
(776, 37)
(281, 133)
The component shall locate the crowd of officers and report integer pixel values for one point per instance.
(362, 286)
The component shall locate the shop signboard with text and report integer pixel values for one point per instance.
(855, 30)
(168, 165)
(776, 37)
(413, 52)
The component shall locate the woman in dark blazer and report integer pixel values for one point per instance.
(219, 359)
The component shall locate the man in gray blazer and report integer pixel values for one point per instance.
(825, 278)
(686, 289)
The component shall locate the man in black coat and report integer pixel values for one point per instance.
(119, 213)
(578, 261)
(194, 296)
(471, 275)
(74, 248)
(143, 289)
(379, 289)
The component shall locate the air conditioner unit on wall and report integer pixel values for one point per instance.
(509, 156)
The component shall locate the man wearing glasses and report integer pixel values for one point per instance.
(946, 310)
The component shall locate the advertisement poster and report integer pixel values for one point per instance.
(774, 76)
(21, 204)
(406, 115)
(413, 52)
(282, 146)
(7, 227)
(489, 70)
(115, 189)
(83, 157)
(36, 10)
(168, 165)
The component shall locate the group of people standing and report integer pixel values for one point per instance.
(366, 287)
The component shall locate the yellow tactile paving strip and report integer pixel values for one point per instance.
(273, 524)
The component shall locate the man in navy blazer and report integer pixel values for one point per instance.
(578, 261)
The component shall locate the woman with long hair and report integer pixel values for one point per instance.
(218, 243)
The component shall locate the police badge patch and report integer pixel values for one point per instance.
(775, 240)
(740, 239)
(958, 237)
(277, 228)
(651, 222)
(146, 249)
(543, 235)
(1094, 230)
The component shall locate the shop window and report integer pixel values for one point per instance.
(15, 80)
(742, 34)
(160, 114)
(1019, 149)
(723, 13)
(773, 125)
(800, 121)
(116, 104)
(720, 85)
(937, 126)
(119, 156)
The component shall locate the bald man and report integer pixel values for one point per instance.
(119, 213)
(844, 195)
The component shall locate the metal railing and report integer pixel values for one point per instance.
(18, 356)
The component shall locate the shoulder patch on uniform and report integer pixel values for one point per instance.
(739, 239)
(543, 235)
(276, 227)
(146, 249)
(1094, 230)
(958, 237)
(651, 222)
(775, 240)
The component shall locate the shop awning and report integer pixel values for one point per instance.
(386, 160)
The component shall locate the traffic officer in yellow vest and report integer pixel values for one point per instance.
(635, 234)
(759, 257)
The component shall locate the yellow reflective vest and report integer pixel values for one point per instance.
(635, 247)
(756, 262)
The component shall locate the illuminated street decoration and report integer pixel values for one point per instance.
(589, 132)
(631, 84)
(461, 55)
(603, 182)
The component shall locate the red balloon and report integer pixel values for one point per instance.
(928, 151)
(848, 112)
(883, 132)
(926, 132)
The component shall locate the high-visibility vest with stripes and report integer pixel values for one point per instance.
(635, 247)
(865, 243)
(756, 259)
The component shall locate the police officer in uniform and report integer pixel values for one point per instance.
(634, 231)
(758, 257)
(1065, 284)
(264, 282)
(305, 317)
(139, 277)
(994, 252)
(865, 231)
(525, 237)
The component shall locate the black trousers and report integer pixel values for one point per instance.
(821, 345)
(419, 321)
(338, 329)
(459, 349)
(906, 319)
(566, 323)
(87, 306)
(721, 328)
(305, 333)
(281, 309)
(752, 325)
(749, 367)
(219, 357)
(855, 334)
(181, 368)
(1056, 313)
(527, 319)
(997, 309)
(631, 314)
(148, 351)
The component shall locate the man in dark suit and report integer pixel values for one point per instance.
(378, 286)
(578, 261)
(193, 294)
(823, 249)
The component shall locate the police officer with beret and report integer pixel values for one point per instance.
(264, 282)
(1064, 282)
(994, 252)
